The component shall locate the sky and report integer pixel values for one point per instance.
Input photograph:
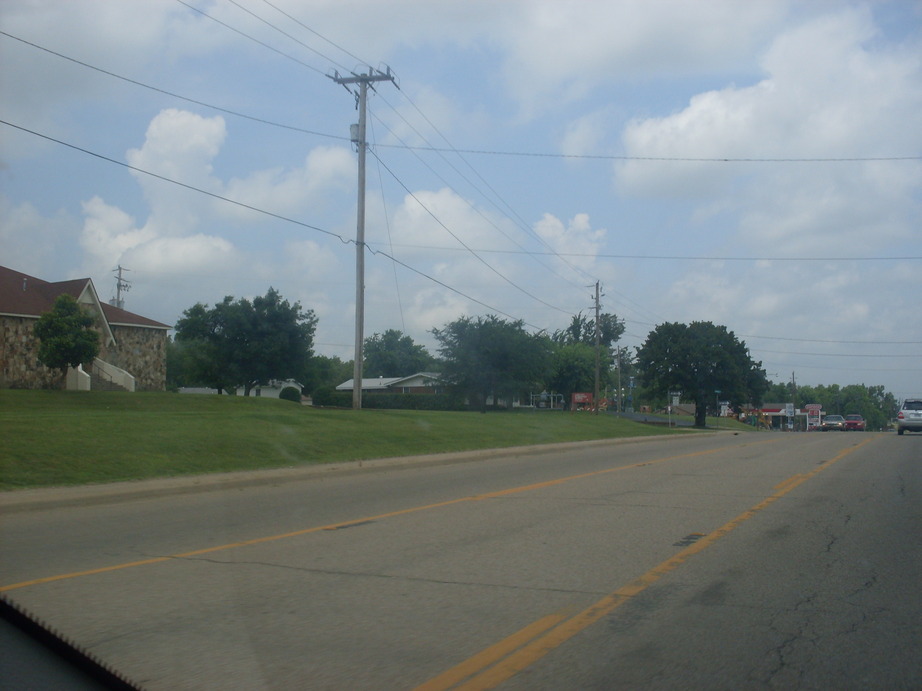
(754, 164)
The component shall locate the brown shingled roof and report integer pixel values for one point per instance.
(22, 295)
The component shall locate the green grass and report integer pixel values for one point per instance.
(50, 438)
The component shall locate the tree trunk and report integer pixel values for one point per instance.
(701, 411)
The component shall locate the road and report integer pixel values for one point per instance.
(750, 561)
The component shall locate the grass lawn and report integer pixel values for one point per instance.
(52, 438)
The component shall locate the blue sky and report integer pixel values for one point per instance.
(754, 164)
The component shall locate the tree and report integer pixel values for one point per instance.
(876, 405)
(325, 372)
(243, 342)
(572, 369)
(489, 356)
(582, 330)
(66, 337)
(574, 359)
(393, 354)
(703, 361)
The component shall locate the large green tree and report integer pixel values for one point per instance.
(394, 354)
(489, 356)
(243, 342)
(582, 330)
(705, 362)
(66, 335)
(572, 369)
(573, 366)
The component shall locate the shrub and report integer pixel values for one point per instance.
(409, 401)
(290, 393)
(328, 396)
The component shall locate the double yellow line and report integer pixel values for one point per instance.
(500, 662)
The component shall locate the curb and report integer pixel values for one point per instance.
(110, 493)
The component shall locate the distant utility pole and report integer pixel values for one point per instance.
(358, 138)
(597, 349)
(121, 285)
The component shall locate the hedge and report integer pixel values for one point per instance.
(326, 396)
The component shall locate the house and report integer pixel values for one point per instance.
(132, 348)
(421, 382)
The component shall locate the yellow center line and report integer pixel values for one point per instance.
(490, 673)
(343, 524)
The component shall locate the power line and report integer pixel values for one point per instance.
(409, 147)
(108, 159)
(607, 255)
(479, 212)
(834, 342)
(682, 159)
(464, 244)
(287, 35)
(848, 355)
(522, 223)
(454, 290)
(318, 35)
(173, 94)
(345, 241)
(245, 35)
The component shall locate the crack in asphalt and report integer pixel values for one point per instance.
(386, 576)
(784, 651)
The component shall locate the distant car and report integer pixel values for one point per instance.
(910, 416)
(854, 423)
(833, 422)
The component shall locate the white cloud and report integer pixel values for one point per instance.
(286, 191)
(30, 240)
(560, 51)
(576, 237)
(432, 218)
(584, 135)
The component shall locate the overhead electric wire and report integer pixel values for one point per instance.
(522, 222)
(833, 342)
(317, 34)
(252, 38)
(345, 241)
(273, 26)
(173, 94)
(606, 255)
(478, 211)
(454, 290)
(423, 115)
(848, 355)
(410, 147)
(464, 244)
(387, 226)
(681, 159)
(244, 205)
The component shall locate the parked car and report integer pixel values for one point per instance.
(854, 423)
(833, 422)
(910, 416)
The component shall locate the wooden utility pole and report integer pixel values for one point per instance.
(597, 349)
(358, 138)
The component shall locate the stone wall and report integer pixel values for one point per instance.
(139, 351)
(142, 353)
(19, 365)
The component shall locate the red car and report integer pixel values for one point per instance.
(854, 423)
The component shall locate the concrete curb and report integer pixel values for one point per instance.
(110, 493)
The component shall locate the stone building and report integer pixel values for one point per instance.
(132, 348)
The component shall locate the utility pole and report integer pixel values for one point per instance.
(358, 138)
(597, 349)
(121, 284)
